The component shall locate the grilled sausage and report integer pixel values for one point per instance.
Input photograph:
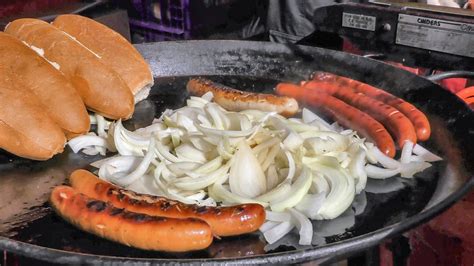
(418, 118)
(224, 221)
(345, 114)
(236, 100)
(397, 123)
(129, 228)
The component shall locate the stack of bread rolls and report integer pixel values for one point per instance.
(51, 74)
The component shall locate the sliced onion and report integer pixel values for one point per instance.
(228, 133)
(407, 150)
(341, 195)
(246, 177)
(84, 141)
(272, 177)
(384, 160)
(217, 191)
(298, 189)
(135, 174)
(187, 152)
(202, 181)
(277, 232)
(180, 168)
(425, 154)
(310, 117)
(293, 141)
(277, 216)
(267, 226)
(304, 226)
(310, 204)
(409, 169)
(282, 190)
(101, 126)
(356, 168)
(320, 184)
(380, 173)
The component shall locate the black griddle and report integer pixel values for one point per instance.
(389, 207)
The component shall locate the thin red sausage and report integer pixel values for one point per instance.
(345, 114)
(418, 118)
(129, 228)
(224, 221)
(396, 122)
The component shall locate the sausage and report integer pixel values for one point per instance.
(418, 118)
(345, 114)
(396, 122)
(129, 228)
(224, 221)
(236, 100)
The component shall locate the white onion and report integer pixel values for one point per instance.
(278, 216)
(274, 234)
(310, 117)
(298, 189)
(81, 142)
(384, 160)
(267, 226)
(310, 204)
(380, 173)
(425, 154)
(356, 168)
(407, 150)
(304, 226)
(135, 174)
(246, 177)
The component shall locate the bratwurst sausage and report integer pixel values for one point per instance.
(129, 228)
(224, 221)
(236, 100)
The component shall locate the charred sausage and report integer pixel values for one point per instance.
(236, 100)
(224, 221)
(130, 228)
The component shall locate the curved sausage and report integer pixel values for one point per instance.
(236, 100)
(129, 228)
(418, 118)
(397, 123)
(224, 221)
(345, 114)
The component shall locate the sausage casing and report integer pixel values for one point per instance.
(224, 221)
(343, 113)
(418, 118)
(129, 228)
(396, 122)
(236, 100)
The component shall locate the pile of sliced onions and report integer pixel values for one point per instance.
(299, 169)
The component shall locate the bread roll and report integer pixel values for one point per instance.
(26, 129)
(59, 98)
(113, 49)
(102, 89)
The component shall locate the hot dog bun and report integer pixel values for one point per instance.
(101, 88)
(59, 98)
(114, 50)
(25, 128)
